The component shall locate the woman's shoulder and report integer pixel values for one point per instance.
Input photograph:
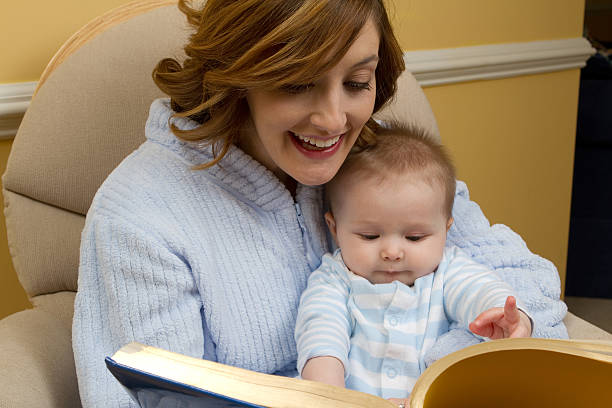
(150, 181)
(160, 167)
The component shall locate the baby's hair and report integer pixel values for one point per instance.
(400, 149)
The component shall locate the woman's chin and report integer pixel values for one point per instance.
(316, 175)
(313, 181)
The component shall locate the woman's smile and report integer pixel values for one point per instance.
(316, 148)
(315, 142)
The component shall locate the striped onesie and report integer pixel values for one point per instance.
(381, 332)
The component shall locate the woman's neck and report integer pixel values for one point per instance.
(291, 185)
(255, 150)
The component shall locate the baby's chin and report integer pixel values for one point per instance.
(382, 277)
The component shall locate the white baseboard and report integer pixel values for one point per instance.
(430, 67)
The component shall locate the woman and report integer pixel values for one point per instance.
(201, 241)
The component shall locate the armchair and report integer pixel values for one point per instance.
(88, 113)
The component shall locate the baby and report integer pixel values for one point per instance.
(379, 302)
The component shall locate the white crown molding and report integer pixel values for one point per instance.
(430, 67)
(446, 66)
(14, 101)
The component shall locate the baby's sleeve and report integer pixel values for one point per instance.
(323, 323)
(534, 279)
(471, 288)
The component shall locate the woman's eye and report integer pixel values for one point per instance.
(413, 238)
(358, 86)
(296, 88)
(369, 237)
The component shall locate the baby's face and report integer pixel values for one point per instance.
(394, 230)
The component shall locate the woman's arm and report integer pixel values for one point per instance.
(132, 287)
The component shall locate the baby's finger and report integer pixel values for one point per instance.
(511, 312)
(484, 325)
(401, 402)
(489, 316)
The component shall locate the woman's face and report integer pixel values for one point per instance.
(306, 131)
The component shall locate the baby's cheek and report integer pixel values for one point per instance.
(429, 260)
(359, 262)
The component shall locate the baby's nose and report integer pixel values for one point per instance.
(392, 254)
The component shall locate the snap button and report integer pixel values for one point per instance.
(391, 373)
(393, 321)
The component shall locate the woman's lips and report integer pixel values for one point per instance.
(315, 152)
(317, 143)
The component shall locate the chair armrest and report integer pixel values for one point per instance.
(578, 328)
(37, 364)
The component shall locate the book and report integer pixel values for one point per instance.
(500, 373)
(522, 372)
(152, 375)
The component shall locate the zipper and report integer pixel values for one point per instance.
(310, 257)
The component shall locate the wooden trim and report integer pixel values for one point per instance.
(96, 26)
(452, 65)
(14, 100)
(430, 67)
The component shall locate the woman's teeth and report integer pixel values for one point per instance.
(318, 142)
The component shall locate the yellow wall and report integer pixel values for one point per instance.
(32, 31)
(428, 24)
(513, 143)
(512, 139)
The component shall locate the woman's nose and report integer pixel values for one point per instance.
(328, 113)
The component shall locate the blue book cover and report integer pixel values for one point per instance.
(152, 391)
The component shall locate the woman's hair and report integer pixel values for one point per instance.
(242, 45)
(400, 149)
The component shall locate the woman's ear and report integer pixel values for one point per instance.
(331, 224)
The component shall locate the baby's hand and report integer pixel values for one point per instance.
(401, 402)
(499, 323)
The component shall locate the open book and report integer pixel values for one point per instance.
(501, 373)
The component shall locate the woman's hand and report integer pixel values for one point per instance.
(500, 323)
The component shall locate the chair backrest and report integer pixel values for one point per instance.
(87, 115)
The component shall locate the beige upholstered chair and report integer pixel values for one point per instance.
(88, 113)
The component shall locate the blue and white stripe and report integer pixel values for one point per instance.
(381, 332)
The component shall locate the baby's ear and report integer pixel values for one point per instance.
(449, 223)
(331, 224)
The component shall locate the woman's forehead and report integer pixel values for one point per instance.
(363, 52)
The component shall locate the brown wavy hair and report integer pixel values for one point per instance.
(241, 45)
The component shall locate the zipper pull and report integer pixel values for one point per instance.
(310, 257)
(298, 211)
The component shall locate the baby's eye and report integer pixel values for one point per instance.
(369, 237)
(296, 88)
(413, 238)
